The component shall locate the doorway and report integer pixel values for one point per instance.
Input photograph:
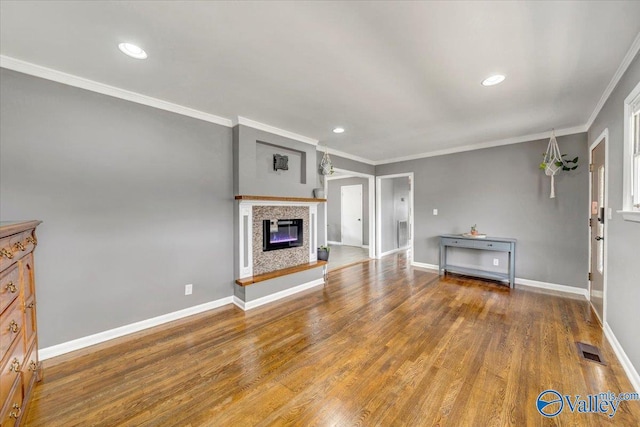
(351, 215)
(598, 213)
(342, 255)
(394, 214)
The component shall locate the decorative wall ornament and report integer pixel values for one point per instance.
(553, 162)
(280, 162)
(326, 167)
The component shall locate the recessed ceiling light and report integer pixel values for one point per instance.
(338, 130)
(493, 80)
(132, 50)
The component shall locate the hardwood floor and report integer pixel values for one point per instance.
(381, 345)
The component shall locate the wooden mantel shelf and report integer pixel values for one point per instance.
(281, 199)
(278, 273)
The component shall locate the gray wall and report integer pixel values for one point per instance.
(623, 284)
(136, 203)
(334, 202)
(502, 190)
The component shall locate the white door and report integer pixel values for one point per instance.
(597, 223)
(351, 215)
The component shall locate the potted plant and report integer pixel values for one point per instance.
(323, 253)
(474, 230)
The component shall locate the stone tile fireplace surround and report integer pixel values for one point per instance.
(264, 262)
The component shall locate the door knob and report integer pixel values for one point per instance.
(598, 238)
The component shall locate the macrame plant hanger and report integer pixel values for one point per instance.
(553, 161)
(326, 167)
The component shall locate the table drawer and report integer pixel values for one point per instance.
(9, 287)
(493, 246)
(461, 243)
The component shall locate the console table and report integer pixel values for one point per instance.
(485, 244)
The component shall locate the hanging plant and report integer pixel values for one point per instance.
(567, 165)
(326, 167)
(553, 162)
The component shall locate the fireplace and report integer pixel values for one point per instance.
(282, 234)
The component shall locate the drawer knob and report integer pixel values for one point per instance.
(33, 240)
(15, 365)
(31, 304)
(16, 411)
(490, 244)
(33, 366)
(6, 253)
(13, 326)
(11, 287)
(19, 246)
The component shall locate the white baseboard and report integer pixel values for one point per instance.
(393, 251)
(425, 265)
(248, 305)
(331, 242)
(80, 343)
(553, 287)
(365, 246)
(629, 369)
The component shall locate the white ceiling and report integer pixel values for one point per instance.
(403, 78)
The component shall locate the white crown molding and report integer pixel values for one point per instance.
(626, 61)
(346, 155)
(488, 144)
(624, 360)
(80, 343)
(274, 130)
(93, 86)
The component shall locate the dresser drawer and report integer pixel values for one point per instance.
(12, 364)
(9, 286)
(492, 246)
(10, 326)
(14, 247)
(14, 405)
(30, 368)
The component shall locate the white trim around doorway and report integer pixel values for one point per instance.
(378, 246)
(372, 217)
(603, 137)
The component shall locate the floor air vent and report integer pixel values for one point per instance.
(590, 352)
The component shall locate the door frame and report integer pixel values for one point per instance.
(378, 221)
(343, 216)
(371, 207)
(602, 138)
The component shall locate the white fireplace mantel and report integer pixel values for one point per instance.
(245, 224)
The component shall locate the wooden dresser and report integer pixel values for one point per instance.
(19, 367)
